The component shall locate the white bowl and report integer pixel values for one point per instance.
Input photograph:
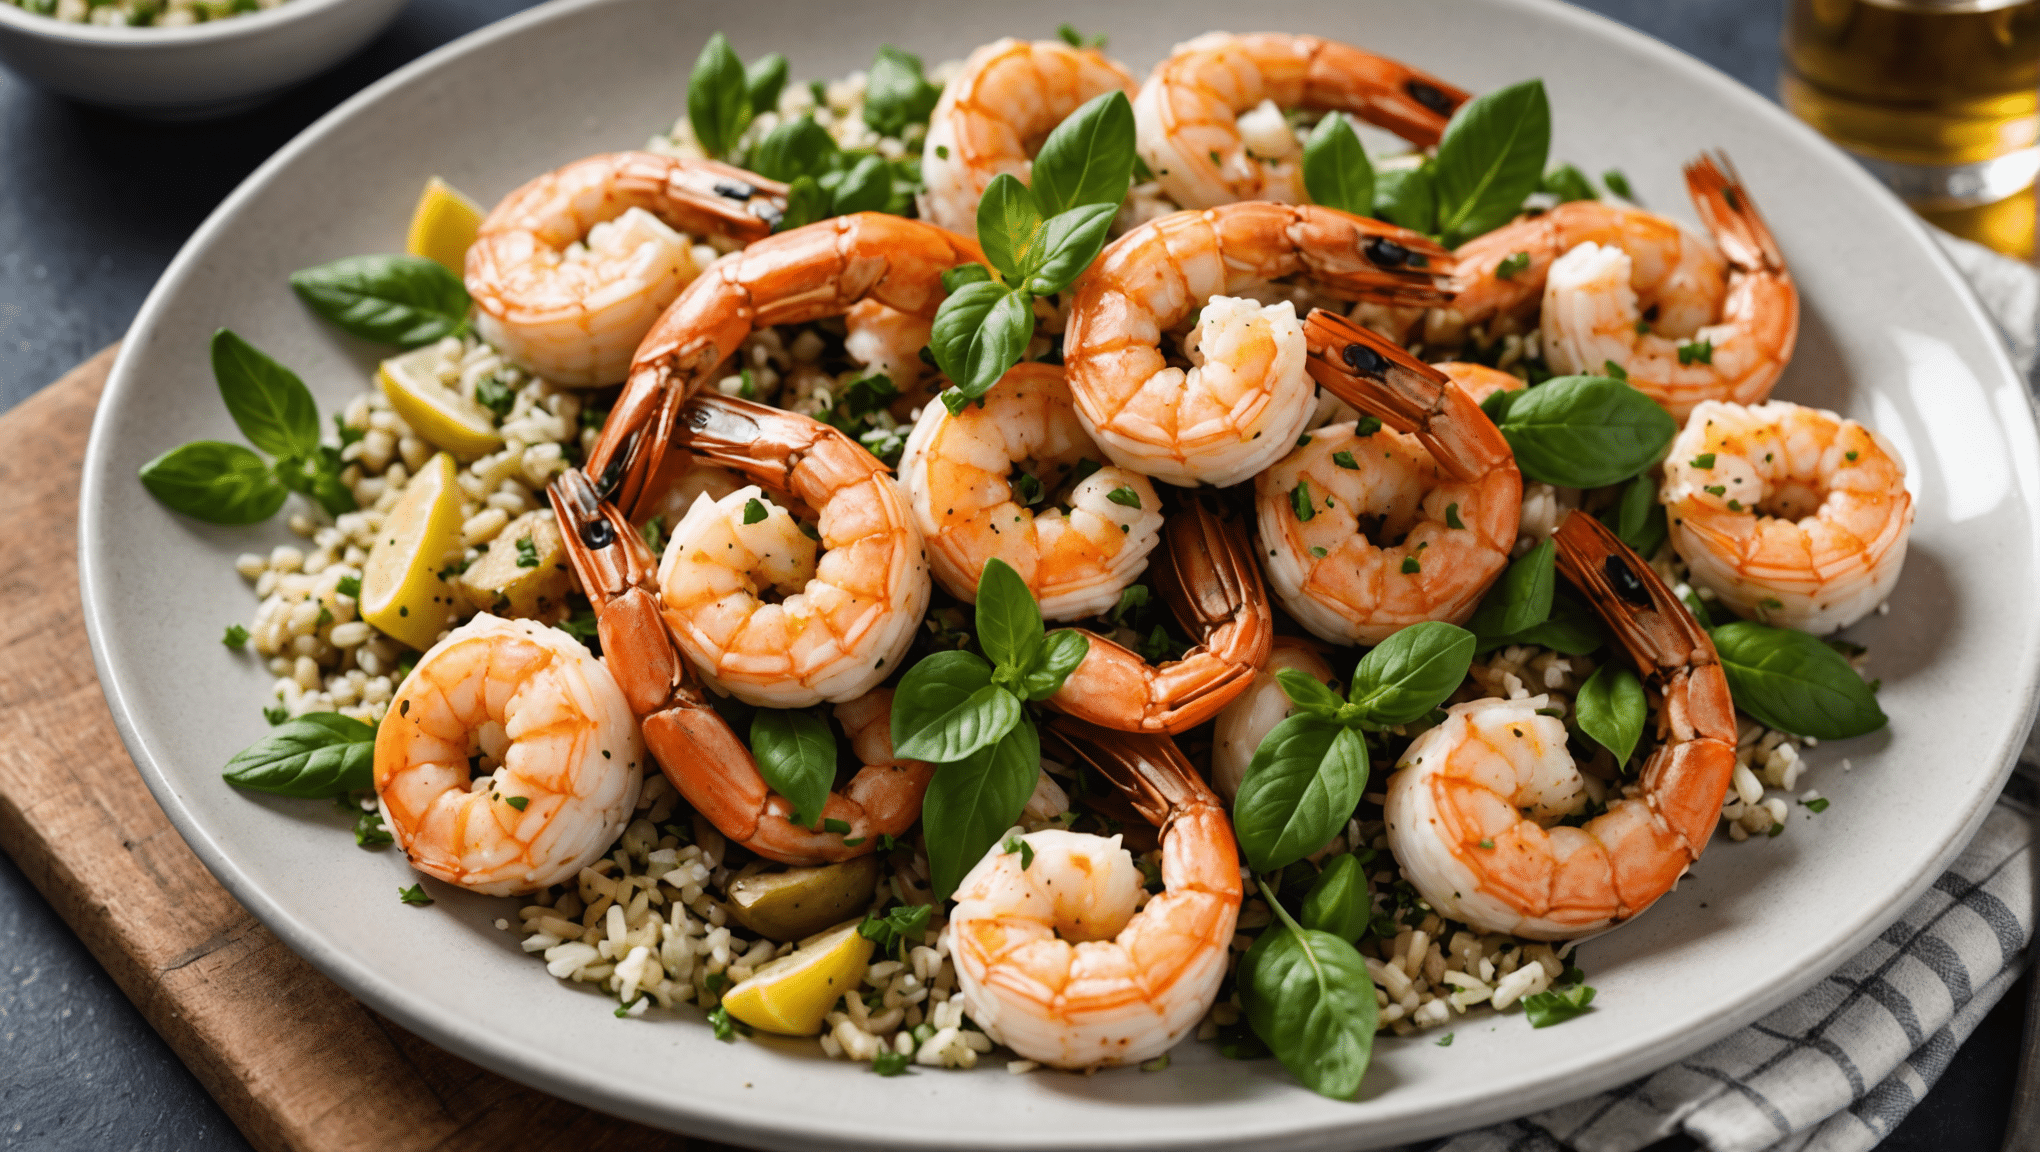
(193, 72)
(1890, 333)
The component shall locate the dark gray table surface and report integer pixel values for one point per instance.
(92, 207)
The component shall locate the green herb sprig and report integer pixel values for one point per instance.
(1582, 431)
(403, 300)
(1489, 160)
(1037, 241)
(224, 483)
(966, 713)
(1309, 772)
(318, 755)
(1308, 996)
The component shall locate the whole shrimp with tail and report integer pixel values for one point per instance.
(1052, 958)
(1475, 807)
(694, 746)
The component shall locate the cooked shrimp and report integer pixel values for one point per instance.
(1592, 316)
(1204, 152)
(1245, 722)
(1369, 528)
(1794, 516)
(695, 747)
(995, 114)
(556, 734)
(887, 340)
(1206, 576)
(975, 479)
(806, 274)
(1240, 405)
(1679, 278)
(1474, 807)
(1051, 956)
(569, 272)
(765, 612)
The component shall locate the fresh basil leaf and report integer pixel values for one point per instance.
(1060, 653)
(1567, 183)
(1308, 996)
(216, 482)
(1305, 691)
(865, 187)
(1572, 630)
(269, 404)
(1638, 519)
(1556, 1005)
(1009, 226)
(401, 300)
(763, 81)
(1335, 168)
(1338, 902)
(1088, 159)
(1411, 672)
(1612, 709)
(1795, 683)
(718, 99)
(896, 94)
(934, 687)
(947, 707)
(806, 202)
(971, 803)
(1585, 431)
(1298, 791)
(962, 274)
(795, 148)
(1008, 620)
(316, 756)
(1490, 158)
(1521, 599)
(1496, 406)
(1407, 196)
(1068, 244)
(980, 331)
(796, 755)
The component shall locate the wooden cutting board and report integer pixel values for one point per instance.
(297, 1063)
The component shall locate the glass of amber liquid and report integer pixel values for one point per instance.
(1939, 98)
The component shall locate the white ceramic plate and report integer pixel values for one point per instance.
(1890, 334)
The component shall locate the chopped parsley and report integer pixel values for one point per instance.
(1366, 426)
(1452, 519)
(1411, 566)
(414, 895)
(1704, 460)
(236, 637)
(1697, 352)
(349, 586)
(1818, 804)
(1124, 496)
(369, 831)
(892, 1061)
(494, 395)
(1513, 263)
(1558, 1005)
(517, 802)
(754, 510)
(1299, 501)
(1345, 460)
(1016, 844)
(900, 924)
(527, 553)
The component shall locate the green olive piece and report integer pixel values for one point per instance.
(802, 901)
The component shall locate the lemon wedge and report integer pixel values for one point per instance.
(443, 225)
(792, 994)
(401, 592)
(441, 415)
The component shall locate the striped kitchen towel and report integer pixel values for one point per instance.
(1836, 1069)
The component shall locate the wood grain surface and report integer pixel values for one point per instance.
(297, 1063)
